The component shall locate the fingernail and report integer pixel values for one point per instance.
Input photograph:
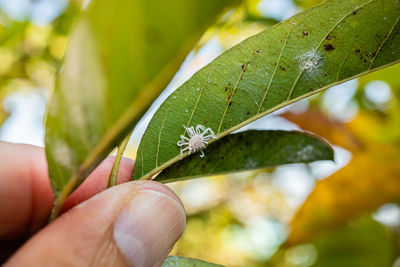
(148, 226)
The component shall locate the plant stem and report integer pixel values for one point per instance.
(117, 161)
(60, 199)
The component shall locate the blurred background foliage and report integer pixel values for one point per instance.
(344, 213)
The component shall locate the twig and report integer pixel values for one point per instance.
(118, 157)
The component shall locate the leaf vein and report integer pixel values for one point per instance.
(159, 135)
(345, 59)
(273, 74)
(244, 67)
(197, 102)
(383, 42)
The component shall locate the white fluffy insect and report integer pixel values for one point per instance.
(309, 62)
(197, 139)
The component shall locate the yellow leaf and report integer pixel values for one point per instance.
(335, 132)
(371, 179)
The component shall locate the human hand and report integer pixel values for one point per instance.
(134, 223)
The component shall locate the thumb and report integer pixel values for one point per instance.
(134, 224)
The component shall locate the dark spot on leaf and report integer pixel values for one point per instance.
(305, 33)
(230, 103)
(354, 12)
(325, 74)
(222, 157)
(357, 50)
(282, 68)
(328, 37)
(329, 47)
(248, 113)
(205, 122)
(226, 88)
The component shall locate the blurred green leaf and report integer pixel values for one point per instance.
(16, 28)
(307, 3)
(262, 20)
(121, 55)
(175, 261)
(247, 151)
(253, 14)
(314, 50)
(389, 75)
(361, 244)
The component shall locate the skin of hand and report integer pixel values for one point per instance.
(131, 224)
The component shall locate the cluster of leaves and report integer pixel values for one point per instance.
(110, 90)
(113, 71)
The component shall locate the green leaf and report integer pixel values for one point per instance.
(331, 43)
(365, 242)
(121, 55)
(247, 151)
(175, 261)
